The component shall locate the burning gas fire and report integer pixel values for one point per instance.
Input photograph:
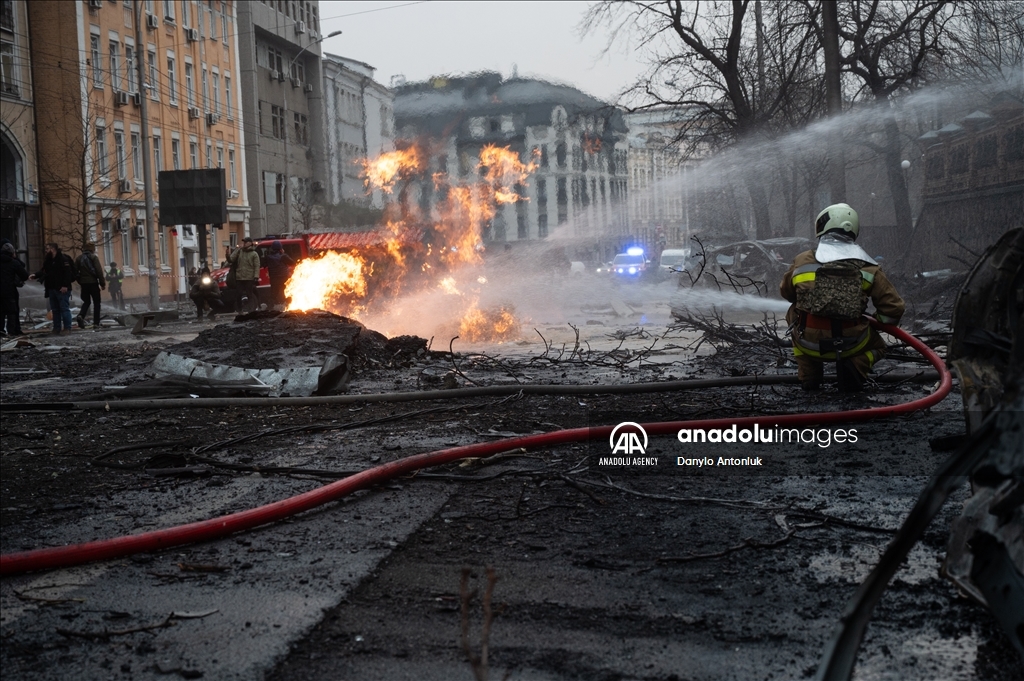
(390, 167)
(494, 324)
(454, 226)
(330, 281)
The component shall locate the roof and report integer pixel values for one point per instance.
(432, 106)
(342, 241)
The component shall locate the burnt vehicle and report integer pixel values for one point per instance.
(746, 263)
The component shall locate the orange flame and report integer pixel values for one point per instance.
(505, 173)
(331, 281)
(495, 324)
(390, 167)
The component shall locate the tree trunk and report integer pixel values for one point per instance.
(833, 99)
(759, 202)
(897, 180)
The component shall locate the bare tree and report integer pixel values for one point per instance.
(888, 46)
(93, 172)
(716, 61)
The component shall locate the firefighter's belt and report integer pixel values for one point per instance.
(827, 347)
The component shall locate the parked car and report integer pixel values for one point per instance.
(674, 260)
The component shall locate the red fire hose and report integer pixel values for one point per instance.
(66, 556)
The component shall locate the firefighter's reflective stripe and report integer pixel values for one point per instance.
(806, 347)
(807, 273)
(882, 318)
(872, 358)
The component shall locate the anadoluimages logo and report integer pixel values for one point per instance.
(628, 441)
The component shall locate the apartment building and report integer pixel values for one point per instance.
(360, 123)
(283, 107)
(19, 179)
(88, 96)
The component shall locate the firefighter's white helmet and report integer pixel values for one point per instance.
(837, 218)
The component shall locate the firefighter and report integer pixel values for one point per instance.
(829, 289)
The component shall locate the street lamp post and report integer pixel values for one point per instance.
(287, 125)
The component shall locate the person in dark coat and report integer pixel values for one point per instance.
(12, 275)
(57, 275)
(92, 281)
(205, 292)
(279, 268)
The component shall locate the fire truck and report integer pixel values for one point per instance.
(300, 246)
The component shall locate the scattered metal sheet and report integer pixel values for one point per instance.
(293, 382)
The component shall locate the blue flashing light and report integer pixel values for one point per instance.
(634, 250)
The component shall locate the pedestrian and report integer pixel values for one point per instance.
(829, 289)
(92, 281)
(247, 274)
(58, 274)
(206, 293)
(12, 275)
(115, 280)
(193, 276)
(279, 268)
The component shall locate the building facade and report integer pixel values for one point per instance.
(88, 96)
(579, 188)
(283, 105)
(360, 123)
(19, 177)
(661, 210)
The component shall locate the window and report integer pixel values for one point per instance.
(190, 86)
(175, 154)
(96, 60)
(259, 115)
(141, 248)
(172, 81)
(231, 167)
(108, 239)
(193, 154)
(206, 91)
(129, 67)
(185, 13)
(209, 154)
(227, 95)
(220, 157)
(101, 150)
(154, 76)
(216, 93)
(126, 248)
(164, 260)
(301, 129)
(157, 165)
(7, 15)
(7, 76)
(119, 154)
(224, 21)
(213, 19)
(299, 71)
(274, 60)
(136, 156)
(169, 10)
(115, 64)
(273, 188)
(277, 122)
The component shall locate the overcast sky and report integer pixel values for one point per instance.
(432, 38)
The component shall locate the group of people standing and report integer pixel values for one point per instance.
(239, 294)
(58, 273)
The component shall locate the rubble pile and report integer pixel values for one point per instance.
(293, 339)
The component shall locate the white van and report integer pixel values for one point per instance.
(673, 260)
